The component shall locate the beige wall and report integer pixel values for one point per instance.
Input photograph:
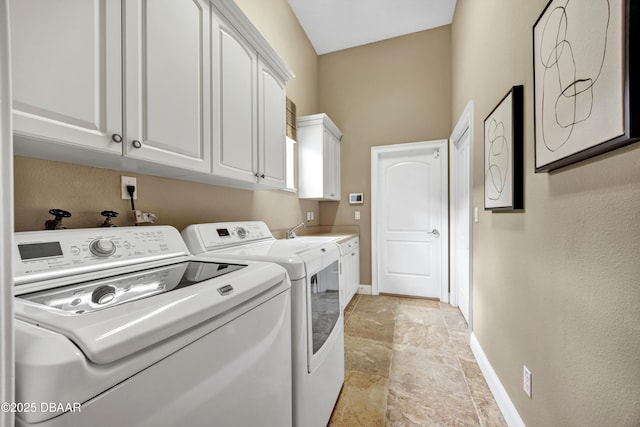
(41, 185)
(556, 287)
(389, 92)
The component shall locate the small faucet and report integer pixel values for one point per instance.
(292, 233)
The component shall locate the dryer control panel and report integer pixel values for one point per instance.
(42, 255)
(208, 237)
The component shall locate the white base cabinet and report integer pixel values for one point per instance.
(318, 158)
(128, 86)
(350, 262)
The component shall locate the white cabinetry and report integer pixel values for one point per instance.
(150, 87)
(272, 117)
(319, 158)
(167, 83)
(350, 260)
(98, 95)
(249, 113)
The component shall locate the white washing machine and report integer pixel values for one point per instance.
(122, 327)
(317, 322)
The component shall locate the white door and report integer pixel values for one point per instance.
(411, 205)
(461, 225)
(167, 83)
(460, 215)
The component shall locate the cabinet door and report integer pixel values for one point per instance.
(331, 157)
(345, 273)
(337, 188)
(271, 125)
(67, 72)
(355, 271)
(235, 147)
(167, 82)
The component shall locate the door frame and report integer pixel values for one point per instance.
(7, 370)
(464, 125)
(376, 153)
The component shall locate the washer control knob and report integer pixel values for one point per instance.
(241, 232)
(103, 295)
(102, 247)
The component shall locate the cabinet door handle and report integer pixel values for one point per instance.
(117, 138)
(257, 175)
(136, 143)
(262, 176)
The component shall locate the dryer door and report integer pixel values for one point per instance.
(323, 311)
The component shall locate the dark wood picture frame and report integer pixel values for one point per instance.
(504, 153)
(580, 97)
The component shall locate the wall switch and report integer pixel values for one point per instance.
(128, 180)
(526, 380)
(357, 216)
(475, 215)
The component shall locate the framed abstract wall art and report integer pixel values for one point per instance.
(585, 91)
(503, 154)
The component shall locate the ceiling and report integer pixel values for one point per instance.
(333, 25)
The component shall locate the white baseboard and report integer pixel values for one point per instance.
(509, 411)
(364, 289)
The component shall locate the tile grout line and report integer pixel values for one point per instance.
(393, 339)
(466, 380)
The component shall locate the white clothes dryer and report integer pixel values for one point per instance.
(317, 319)
(122, 327)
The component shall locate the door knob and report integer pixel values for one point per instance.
(434, 232)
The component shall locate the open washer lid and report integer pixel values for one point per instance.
(116, 291)
(109, 334)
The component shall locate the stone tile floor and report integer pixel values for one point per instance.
(408, 363)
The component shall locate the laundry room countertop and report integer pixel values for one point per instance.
(340, 233)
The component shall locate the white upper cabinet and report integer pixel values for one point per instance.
(167, 83)
(67, 83)
(272, 119)
(319, 158)
(250, 112)
(176, 88)
(235, 111)
(69, 86)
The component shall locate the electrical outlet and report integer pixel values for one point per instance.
(128, 180)
(357, 215)
(526, 380)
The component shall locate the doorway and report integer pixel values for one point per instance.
(410, 225)
(461, 149)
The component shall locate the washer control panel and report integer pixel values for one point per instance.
(40, 255)
(205, 237)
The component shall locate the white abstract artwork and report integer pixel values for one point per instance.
(579, 56)
(503, 153)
